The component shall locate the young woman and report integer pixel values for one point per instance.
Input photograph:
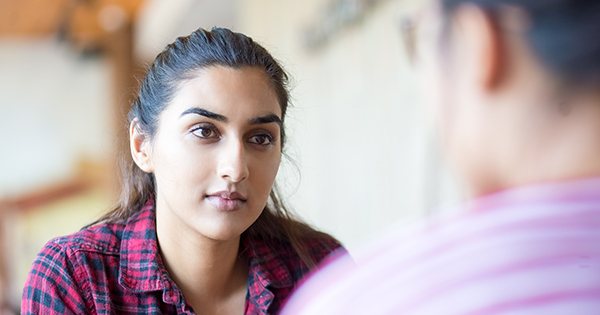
(199, 229)
(516, 88)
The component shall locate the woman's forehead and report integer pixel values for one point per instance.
(244, 92)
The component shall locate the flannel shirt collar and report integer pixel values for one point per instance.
(142, 270)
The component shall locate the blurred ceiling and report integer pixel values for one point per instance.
(79, 21)
(85, 23)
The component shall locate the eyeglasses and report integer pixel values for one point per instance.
(418, 28)
(408, 30)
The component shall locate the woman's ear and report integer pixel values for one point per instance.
(483, 45)
(140, 145)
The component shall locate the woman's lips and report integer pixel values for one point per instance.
(226, 201)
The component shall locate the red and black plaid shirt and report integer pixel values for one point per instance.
(117, 268)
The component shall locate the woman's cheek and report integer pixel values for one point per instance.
(266, 173)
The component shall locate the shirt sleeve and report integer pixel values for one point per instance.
(51, 286)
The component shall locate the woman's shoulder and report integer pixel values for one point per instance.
(102, 238)
(66, 267)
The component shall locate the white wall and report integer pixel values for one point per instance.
(363, 144)
(54, 110)
(159, 22)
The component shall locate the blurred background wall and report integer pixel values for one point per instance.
(361, 149)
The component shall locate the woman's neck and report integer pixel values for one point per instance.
(210, 273)
(548, 147)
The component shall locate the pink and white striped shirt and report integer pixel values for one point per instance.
(529, 250)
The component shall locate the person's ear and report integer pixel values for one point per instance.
(482, 45)
(140, 147)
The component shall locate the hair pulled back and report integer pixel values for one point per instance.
(181, 61)
(565, 34)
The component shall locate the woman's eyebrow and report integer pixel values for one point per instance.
(205, 113)
(266, 119)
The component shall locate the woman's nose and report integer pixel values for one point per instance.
(232, 164)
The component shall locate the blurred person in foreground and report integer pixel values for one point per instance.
(515, 85)
(199, 228)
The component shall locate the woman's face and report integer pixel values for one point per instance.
(216, 152)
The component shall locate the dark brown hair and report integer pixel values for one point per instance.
(179, 61)
(565, 34)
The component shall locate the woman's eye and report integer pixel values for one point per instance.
(205, 133)
(262, 139)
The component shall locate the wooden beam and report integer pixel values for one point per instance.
(119, 50)
(45, 195)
